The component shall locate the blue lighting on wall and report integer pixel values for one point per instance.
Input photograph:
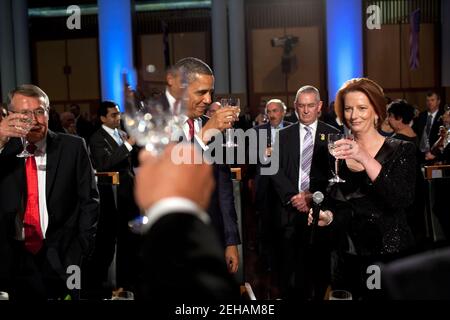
(116, 51)
(344, 43)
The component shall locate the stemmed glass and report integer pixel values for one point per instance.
(233, 103)
(27, 125)
(152, 125)
(332, 138)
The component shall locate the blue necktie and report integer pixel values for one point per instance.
(117, 137)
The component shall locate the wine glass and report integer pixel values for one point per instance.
(27, 125)
(148, 120)
(332, 138)
(234, 103)
(151, 124)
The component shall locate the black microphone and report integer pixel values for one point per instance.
(317, 200)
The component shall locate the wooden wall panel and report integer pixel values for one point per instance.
(50, 60)
(84, 78)
(384, 62)
(189, 44)
(266, 60)
(424, 76)
(152, 53)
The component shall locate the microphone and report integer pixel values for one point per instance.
(317, 200)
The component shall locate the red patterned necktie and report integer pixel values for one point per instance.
(191, 128)
(31, 220)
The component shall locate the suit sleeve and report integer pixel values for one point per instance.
(88, 200)
(103, 157)
(227, 208)
(183, 260)
(282, 184)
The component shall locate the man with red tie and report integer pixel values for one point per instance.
(199, 86)
(49, 202)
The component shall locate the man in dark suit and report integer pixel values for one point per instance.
(427, 126)
(182, 256)
(113, 150)
(83, 126)
(197, 128)
(303, 169)
(49, 202)
(264, 192)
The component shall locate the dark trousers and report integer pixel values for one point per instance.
(33, 277)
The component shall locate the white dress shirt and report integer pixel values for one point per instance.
(313, 127)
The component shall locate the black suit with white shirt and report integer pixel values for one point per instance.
(72, 207)
(304, 270)
(109, 156)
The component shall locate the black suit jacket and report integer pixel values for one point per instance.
(108, 156)
(221, 208)
(182, 260)
(72, 202)
(286, 179)
(421, 122)
(262, 182)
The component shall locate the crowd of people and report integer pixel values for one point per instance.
(53, 215)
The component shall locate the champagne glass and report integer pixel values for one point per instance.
(151, 124)
(27, 125)
(332, 138)
(233, 103)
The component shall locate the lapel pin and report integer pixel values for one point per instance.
(322, 137)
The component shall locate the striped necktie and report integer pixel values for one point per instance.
(306, 159)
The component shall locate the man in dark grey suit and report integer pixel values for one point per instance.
(112, 150)
(49, 202)
(196, 128)
(265, 195)
(303, 169)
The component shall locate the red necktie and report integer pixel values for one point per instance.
(31, 220)
(191, 128)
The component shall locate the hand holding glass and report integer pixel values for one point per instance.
(26, 125)
(235, 104)
(332, 138)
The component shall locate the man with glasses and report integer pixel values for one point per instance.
(304, 168)
(49, 202)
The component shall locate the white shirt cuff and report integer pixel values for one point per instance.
(129, 146)
(173, 205)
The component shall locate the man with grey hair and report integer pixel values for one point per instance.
(265, 195)
(68, 122)
(304, 168)
(49, 202)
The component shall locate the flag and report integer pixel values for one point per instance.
(414, 31)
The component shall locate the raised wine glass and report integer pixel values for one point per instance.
(332, 138)
(152, 124)
(233, 103)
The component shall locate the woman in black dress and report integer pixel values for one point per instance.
(400, 115)
(367, 213)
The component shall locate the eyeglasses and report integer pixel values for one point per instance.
(40, 112)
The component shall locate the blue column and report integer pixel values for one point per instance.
(236, 21)
(21, 43)
(115, 42)
(220, 46)
(344, 43)
(7, 61)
